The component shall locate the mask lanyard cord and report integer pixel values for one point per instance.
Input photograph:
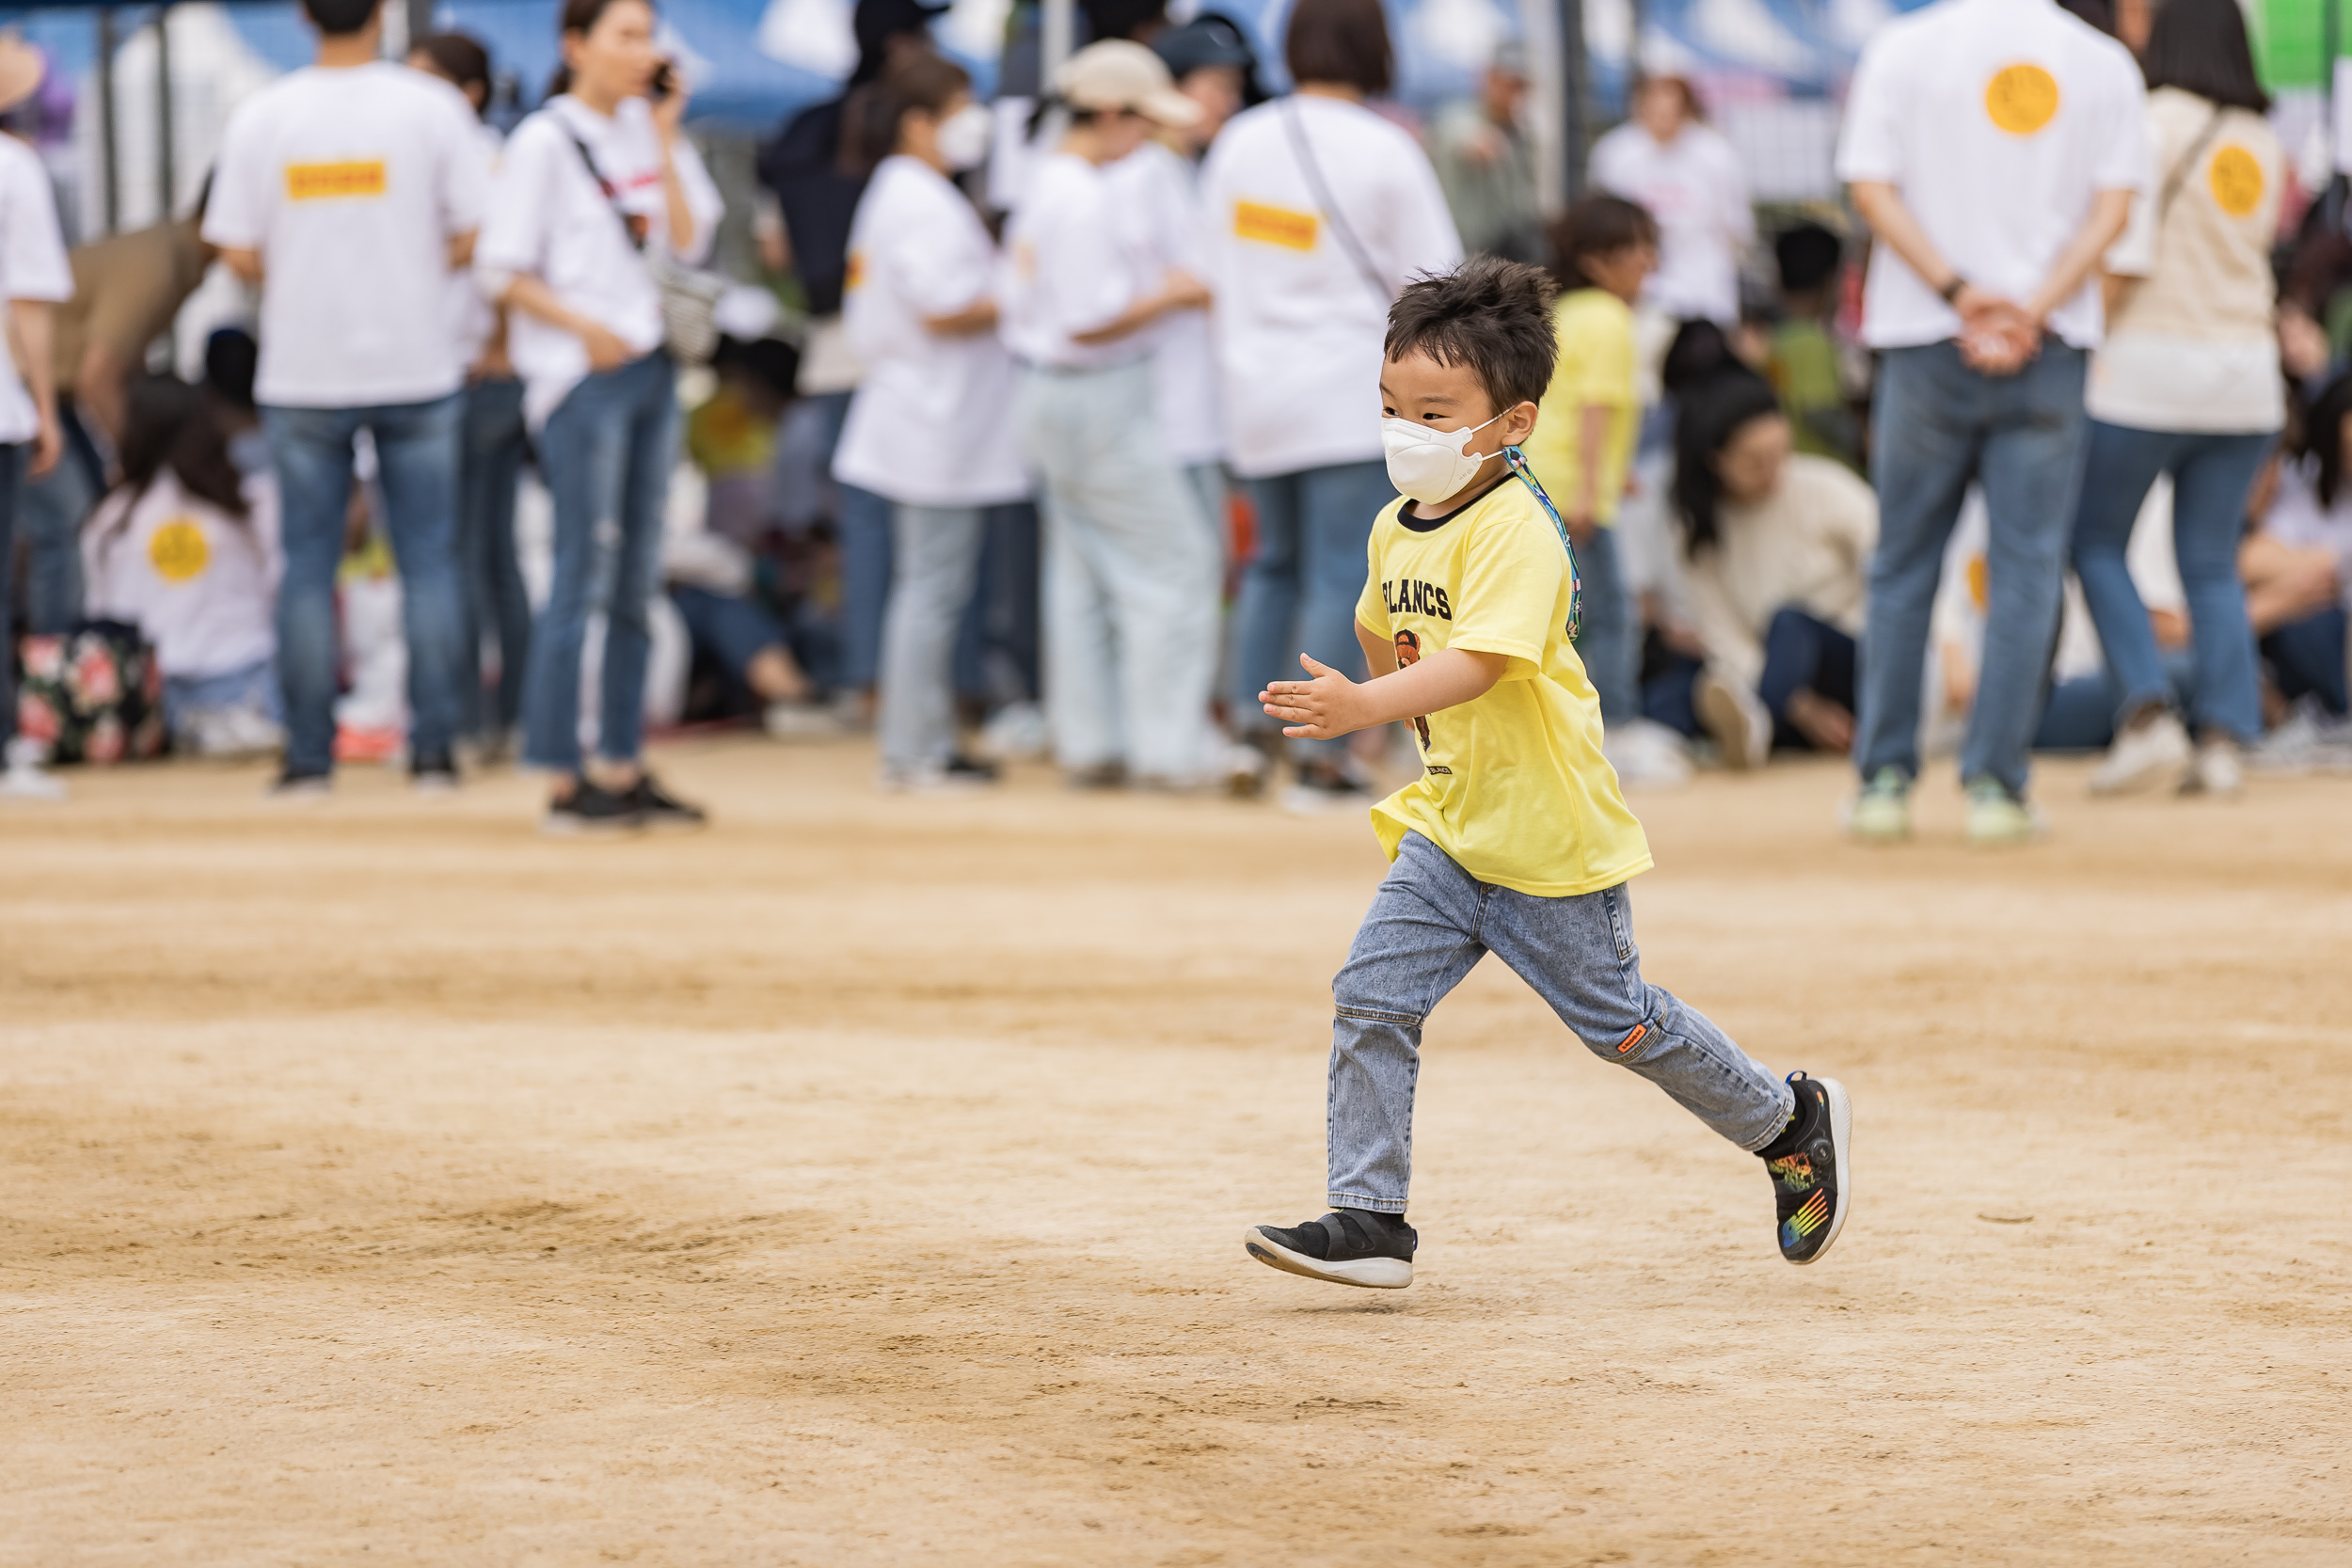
(1516, 461)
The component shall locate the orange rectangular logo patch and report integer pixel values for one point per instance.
(853, 274)
(357, 177)
(1275, 225)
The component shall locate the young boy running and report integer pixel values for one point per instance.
(1514, 839)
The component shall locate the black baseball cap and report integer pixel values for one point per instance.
(877, 22)
(1205, 40)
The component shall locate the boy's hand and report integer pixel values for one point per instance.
(1323, 708)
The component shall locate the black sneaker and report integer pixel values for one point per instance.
(592, 810)
(1351, 1247)
(1811, 1168)
(433, 775)
(976, 769)
(660, 808)
(291, 787)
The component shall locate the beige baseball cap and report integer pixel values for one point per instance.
(21, 68)
(1118, 74)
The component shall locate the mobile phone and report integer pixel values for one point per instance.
(664, 81)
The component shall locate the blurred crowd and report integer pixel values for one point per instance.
(1048, 425)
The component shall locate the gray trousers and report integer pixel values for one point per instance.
(935, 563)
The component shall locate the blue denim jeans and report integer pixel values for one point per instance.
(1298, 592)
(1608, 639)
(2306, 658)
(50, 513)
(1802, 654)
(1428, 927)
(416, 453)
(2211, 475)
(491, 446)
(605, 453)
(1940, 425)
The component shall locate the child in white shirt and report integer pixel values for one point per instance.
(186, 549)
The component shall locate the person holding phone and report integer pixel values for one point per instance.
(596, 183)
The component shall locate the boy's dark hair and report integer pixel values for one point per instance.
(336, 19)
(1808, 255)
(1341, 41)
(2199, 46)
(1493, 315)
(1596, 226)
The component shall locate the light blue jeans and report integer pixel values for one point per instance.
(50, 513)
(1428, 927)
(606, 453)
(1941, 425)
(1298, 592)
(1131, 576)
(2211, 475)
(415, 455)
(935, 563)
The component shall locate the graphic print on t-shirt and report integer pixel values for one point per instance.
(1254, 220)
(351, 177)
(1408, 655)
(2235, 177)
(2021, 99)
(178, 551)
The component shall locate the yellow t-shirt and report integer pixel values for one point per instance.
(1597, 362)
(1515, 787)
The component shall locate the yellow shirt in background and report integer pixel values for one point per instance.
(1597, 362)
(1515, 787)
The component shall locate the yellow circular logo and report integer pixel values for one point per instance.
(178, 550)
(2236, 178)
(2021, 99)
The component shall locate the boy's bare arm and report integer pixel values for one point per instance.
(1379, 652)
(1330, 705)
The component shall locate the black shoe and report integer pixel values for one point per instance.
(433, 775)
(591, 809)
(293, 786)
(1350, 1246)
(660, 808)
(974, 770)
(1810, 1165)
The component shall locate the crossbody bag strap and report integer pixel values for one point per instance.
(1305, 152)
(632, 224)
(2188, 161)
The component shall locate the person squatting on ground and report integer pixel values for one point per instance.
(1994, 147)
(1775, 556)
(929, 427)
(2188, 384)
(36, 275)
(350, 191)
(491, 446)
(1514, 839)
(1130, 566)
(1603, 247)
(186, 550)
(594, 181)
(1319, 210)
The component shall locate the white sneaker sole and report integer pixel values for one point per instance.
(1841, 1143)
(1373, 1274)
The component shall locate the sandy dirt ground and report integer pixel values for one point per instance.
(861, 1183)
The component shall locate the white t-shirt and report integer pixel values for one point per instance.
(2193, 346)
(351, 184)
(1164, 192)
(2000, 121)
(471, 316)
(1297, 323)
(1075, 258)
(32, 266)
(931, 423)
(1694, 187)
(549, 218)
(201, 585)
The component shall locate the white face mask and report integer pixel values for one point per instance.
(963, 138)
(1429, 465)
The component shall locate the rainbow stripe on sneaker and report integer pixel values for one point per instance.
(1805, 1221)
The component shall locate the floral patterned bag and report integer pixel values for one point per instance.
(93, 694)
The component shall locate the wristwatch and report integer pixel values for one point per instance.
(1951, 291)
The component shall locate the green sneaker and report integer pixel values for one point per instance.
(1997, 819)
(1882, 813)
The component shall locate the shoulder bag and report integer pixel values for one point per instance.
(690, 297)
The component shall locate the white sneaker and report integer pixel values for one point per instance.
(1016, 733)
(1738, 720)
(2143, 755)
(1646, 754)
(22, 777)
(1246, 769)
(2217, 772)
(800, 721)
